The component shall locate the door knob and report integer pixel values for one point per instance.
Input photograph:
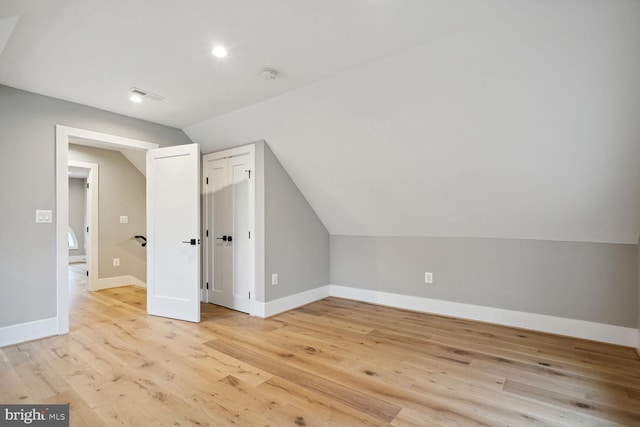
(223, 238)
(192, 242)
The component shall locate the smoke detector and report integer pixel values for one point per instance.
(137, 95)
(269, 74)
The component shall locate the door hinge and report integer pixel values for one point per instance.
(207, 233)
(207, 285)
(249, 294)
(249, 234)
(87, 185)
(207, 180)
(87, 273)
(249, 172)
(87, 229)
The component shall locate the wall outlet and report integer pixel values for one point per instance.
(428, 277)
(274, 279)
(116, 262)
(124, 219)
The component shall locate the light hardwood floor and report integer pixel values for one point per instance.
(332, 363)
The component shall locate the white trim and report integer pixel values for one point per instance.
(249, 150)
(115, 282)
(259, 230)
(103, 140)
(82, 137)
(15, 334)
(620, 335)
(77, 258)
(290, 302)
(538, 322)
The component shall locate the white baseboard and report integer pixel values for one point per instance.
(537, 322)
(114, 282)
(29, 331)
(281, 305)
(620, 335)
(77, 258)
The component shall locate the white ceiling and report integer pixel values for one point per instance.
(93, 51)
(494, 118)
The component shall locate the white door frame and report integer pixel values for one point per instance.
(92, 215)
(64, 136)
(233, 152)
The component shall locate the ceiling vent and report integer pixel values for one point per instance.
(143, 94)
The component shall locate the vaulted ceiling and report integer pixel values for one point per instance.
(494, 118)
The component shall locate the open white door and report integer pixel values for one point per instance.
(173, 232)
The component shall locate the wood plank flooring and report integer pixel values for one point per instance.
(332, 363)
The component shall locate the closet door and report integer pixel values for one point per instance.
(227, 211)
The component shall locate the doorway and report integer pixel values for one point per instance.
(64, 136)
(90, 174)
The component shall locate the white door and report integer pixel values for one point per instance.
(173, 232)
(227, 195)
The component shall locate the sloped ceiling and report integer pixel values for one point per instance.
(475, 118)
(526, 125)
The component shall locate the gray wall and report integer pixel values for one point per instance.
(27, 143)
(121, 192)
(588, 281)
(77, 195)
(296, 241)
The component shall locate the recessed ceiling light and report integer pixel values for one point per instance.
(135, 98)
(219, 51)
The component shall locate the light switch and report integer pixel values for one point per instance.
(43, 216)
(124, 220)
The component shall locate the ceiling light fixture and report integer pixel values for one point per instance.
(135, 98)
(219, 51)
